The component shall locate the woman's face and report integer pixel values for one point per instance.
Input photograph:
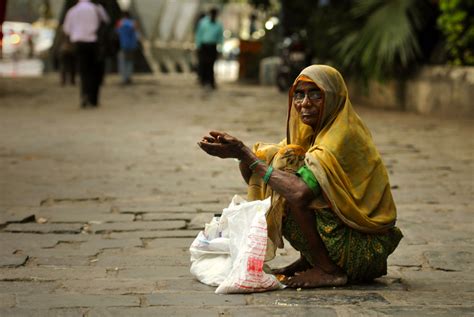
(308, 101)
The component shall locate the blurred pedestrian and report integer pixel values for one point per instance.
(81, 24)
(128, 38)
(209, 34)
(67, 59)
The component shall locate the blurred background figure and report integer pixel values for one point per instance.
(67, 59)
(128, 38)
(82, 24)
(209, 34)
(3, 10)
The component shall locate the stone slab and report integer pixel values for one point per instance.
(51, 273)
(7, 300)
(168, 216)
(137, 226)
(155, 234)
(196, 300)
(44, 228)
(13, 260)
(156, 311)
(84, 217)
(107, 286)
(321, 297)
(156, 273)
(43, 301)
(27, 287)
(28, 312)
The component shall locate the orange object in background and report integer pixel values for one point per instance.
(249, 59)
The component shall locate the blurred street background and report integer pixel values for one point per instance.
(98, 206)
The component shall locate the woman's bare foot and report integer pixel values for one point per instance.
(316, 277)
(299, 265)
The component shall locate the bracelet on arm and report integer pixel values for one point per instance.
(254, 164)
(267, 175)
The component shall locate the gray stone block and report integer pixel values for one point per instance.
(43, 228)
(137, 226)
(43, 301)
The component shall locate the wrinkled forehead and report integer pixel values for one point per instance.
(306, 85)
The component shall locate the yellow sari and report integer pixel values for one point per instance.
(342, 156)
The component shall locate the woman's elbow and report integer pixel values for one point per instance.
(301, 198)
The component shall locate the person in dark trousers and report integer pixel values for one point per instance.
(67, 60)
(128, 38)
(81, 24)
(209, 34)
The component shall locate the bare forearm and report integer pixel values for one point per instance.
(290, 186)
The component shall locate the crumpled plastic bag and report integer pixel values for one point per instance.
(237, 267)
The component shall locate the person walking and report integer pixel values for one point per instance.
(128, 39)
(209, 34)
(67, 59)
(81, 24)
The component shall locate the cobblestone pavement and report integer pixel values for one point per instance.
(98, 207)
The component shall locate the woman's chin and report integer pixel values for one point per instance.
(308, 121)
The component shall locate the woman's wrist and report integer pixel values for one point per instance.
(247, 156)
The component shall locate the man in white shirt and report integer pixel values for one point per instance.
(81, 25)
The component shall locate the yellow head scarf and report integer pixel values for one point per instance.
(343, 157)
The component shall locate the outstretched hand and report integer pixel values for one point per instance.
(222, 145)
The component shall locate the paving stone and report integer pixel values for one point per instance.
(98, 243)
(137, 226)
(155, 234)
(155, 311)
(183, 285)
(157, 208)
(280, 309)
(12, 260)
(142, 258)
(28, 312)
(107, 286)
(430, 298)
(155, 273)
(76, 208)
(437, 281)
(83, 217)
(200, 220)
(26, 287)
(166, 243)
(44, 228)
(30, 241)
(7, 300)
(197, 300)
(51, 273)
(168, 216)
(451, 258)
(61, 260)
(322, 297)
(42, 301)
(434, 311)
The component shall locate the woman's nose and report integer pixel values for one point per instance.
(306, 102)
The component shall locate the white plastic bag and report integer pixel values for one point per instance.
(210, 256)
(234, 260)
(248, 243)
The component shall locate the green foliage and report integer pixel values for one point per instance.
(384, 39)
(456, 21)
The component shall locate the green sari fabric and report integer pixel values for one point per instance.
(363, 256)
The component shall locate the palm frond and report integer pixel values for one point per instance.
(387, 39)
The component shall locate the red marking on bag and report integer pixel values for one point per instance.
(254, 264)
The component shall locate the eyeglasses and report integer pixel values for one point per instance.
(313, 96)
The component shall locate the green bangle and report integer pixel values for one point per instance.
(254, 164)
(267, 175)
